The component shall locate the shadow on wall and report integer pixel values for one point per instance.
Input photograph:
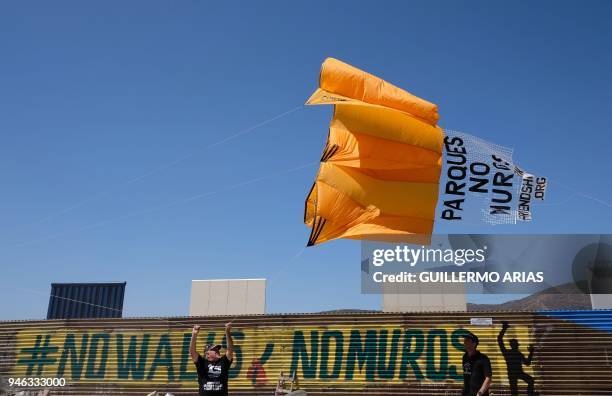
(514, 362)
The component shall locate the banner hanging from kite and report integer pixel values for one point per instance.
(481, 182)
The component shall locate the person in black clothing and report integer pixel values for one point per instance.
(514, 362)
(213, 371)
(476, 369)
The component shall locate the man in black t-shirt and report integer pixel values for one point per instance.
(476, 369)
(213, 371)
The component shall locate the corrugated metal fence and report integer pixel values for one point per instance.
(341, 354)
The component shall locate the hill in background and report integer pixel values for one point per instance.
(562, 297)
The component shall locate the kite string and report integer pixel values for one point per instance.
(160, 207)
(277, 273)
(161, 168)
(189, 199)
(120, 311)
(575, 192)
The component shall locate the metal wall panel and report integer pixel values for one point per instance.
(227, 297)
(86, 300)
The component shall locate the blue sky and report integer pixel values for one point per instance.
(95, 94)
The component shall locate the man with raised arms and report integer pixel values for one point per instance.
(213, 371)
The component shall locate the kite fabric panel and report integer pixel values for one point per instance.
(380, 169)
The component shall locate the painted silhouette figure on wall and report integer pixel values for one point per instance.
(514, 362)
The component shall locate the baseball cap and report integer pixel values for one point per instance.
(213, 347)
